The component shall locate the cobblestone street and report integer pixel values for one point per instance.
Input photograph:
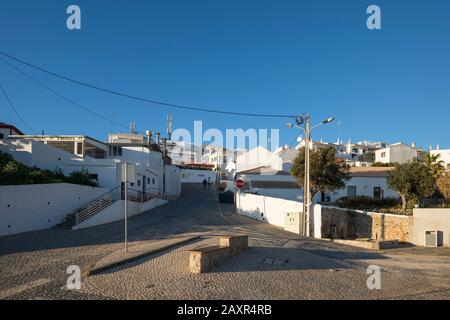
(33, 265)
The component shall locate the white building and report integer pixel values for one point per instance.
(444, 156)
(258, 157)
(7, 130)
(197, 176)
(101, 160)
(269, 182)
(397, 153)
(182, 153)
(370, 182)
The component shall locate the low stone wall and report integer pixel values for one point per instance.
(391, 227)
(338, 223)
(203, 259)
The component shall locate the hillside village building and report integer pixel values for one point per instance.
(7, 130)
(101, 160)
(397, 153)
(444, 155)
(365, 181)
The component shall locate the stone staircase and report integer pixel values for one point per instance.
(99, 204)
(88, 210)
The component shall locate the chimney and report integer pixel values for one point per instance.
(164, 147)
(413, 144)
(148, 133)
(438, 147)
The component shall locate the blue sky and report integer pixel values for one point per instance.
(247, 56)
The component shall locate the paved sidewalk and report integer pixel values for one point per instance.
(135, 252)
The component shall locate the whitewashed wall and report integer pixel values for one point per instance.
(173, 181)
(197, 176)
(364, 187)
(269, 209)
(431, 220)
(39, 206)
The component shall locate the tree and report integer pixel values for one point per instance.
(434, 165)
(412, 180)
(327, 172)
(443, 184)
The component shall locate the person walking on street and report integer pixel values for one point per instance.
(204, 183)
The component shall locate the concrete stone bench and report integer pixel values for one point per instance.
(203, 259)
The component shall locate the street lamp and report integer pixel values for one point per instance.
(304, 119)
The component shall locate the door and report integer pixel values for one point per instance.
(351, 191)
(377, 193)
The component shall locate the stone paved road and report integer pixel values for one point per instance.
(33, 265)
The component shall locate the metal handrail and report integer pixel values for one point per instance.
(92, 207)
(98, 204)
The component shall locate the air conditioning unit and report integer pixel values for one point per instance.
(431, 239)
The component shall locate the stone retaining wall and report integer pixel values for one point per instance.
(338, 223)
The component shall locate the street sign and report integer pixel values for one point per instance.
(239, 183)
(129, 172)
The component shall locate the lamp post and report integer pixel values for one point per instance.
(304, 120)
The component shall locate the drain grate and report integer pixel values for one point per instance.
(275, 262)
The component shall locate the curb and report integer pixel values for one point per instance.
(91, 269)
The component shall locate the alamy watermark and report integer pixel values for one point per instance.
(374, 280)
(74, 280)
(374, 20)
(73, 21)
(191, 147)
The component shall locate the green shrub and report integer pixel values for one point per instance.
(368, 203)
(15, 173)
(81, 177)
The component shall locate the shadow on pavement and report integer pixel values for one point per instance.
(284, 259)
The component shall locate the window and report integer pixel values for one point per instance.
(93, 151)
(383, 154)
(148, 180)
(153, 181)
(79, 148)
(139, 183)
(116, 151)
(351, 191)
(2, 136)
(68, 146)
(377, 193)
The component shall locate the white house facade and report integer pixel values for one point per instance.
(365, 181)
(444, 155)
(397, 153)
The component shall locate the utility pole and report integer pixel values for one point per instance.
(126, 205)
(306, 189)
(303, 123)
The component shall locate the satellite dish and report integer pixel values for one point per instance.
(299, 139)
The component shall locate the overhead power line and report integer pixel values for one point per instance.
(129, 96)
(14, 108)
(63, 96)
